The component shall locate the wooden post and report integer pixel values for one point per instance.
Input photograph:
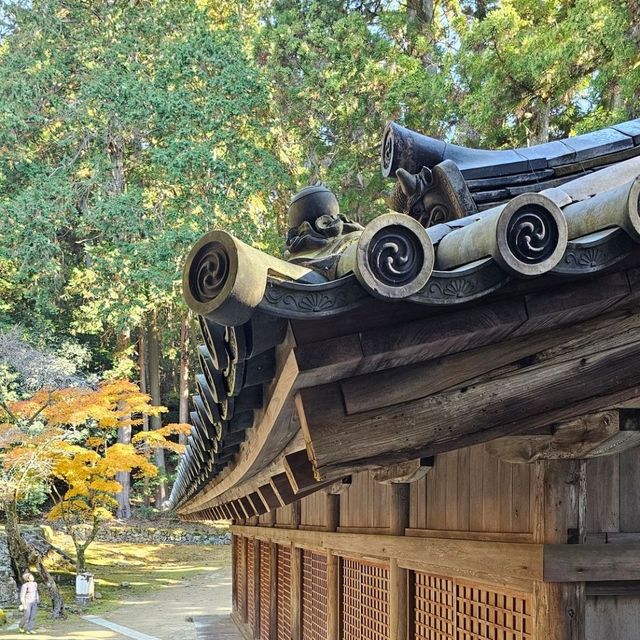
(333, 596)
(296, 593)
(273, 590)
(245, 577)
(398, 577)
(559, 489)
(256, 588)
(332, 511)
(296, 514)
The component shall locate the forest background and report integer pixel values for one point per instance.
(130, 127)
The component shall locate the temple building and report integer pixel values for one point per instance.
(427, 427)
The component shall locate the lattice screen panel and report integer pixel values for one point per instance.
(283, 596)
(434, 608)
(314, 596)
(485, 613)
(365, 600)
(446, 609)
(251, 585)
(264, 619)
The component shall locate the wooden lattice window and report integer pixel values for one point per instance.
(314, 596)
(365, 600)
(283, 602)
(265, 591)
(487, 613)
(446, 609)
(251, 584)
(434, 608)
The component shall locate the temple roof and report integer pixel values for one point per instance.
(483, 248)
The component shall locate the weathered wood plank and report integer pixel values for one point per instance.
(403, 384)
(603, 494)
(591, 562)
(568, 385)
(589, 436)
(630, 491)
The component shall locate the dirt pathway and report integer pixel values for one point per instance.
(161, 613)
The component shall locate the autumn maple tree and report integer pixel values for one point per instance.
(65, 439)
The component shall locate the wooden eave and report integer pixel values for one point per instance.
(350, 370)
(319, 367)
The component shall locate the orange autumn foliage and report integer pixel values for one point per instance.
(38, 442)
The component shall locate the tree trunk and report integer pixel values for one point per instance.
(18, 548)
(153, 348)
(142, 365)
(421, 10)
(23, 556)
(57, 603)
(124, 436)
(124, 478)
(184, 375)
(81, 559)
(539, 124)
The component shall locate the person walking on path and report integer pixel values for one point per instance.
(29, 600)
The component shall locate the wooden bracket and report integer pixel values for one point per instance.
(403, 472)
(589, 436)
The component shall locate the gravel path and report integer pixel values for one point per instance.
(161, 613)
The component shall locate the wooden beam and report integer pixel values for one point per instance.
(590, 436)
(403, 472)
(591, 562)
(590, 377)
(283, 488)
(248, 507)
(502, 563)
(269, 496)
(299, 470)
(257, 503)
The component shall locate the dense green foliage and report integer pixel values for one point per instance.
(128, 128)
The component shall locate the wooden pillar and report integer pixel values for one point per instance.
(332, 511)
(296, 593)
(333, 596)
(273, 590)
(245, 591)
(235, 552)
(559, 494)
(398, 577)
(296, 514)
(256, 588)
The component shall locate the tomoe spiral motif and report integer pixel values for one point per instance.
(532, 234)
(395, 256)
(387, 150)
(209, 272)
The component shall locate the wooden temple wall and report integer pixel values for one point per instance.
(459, 554)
